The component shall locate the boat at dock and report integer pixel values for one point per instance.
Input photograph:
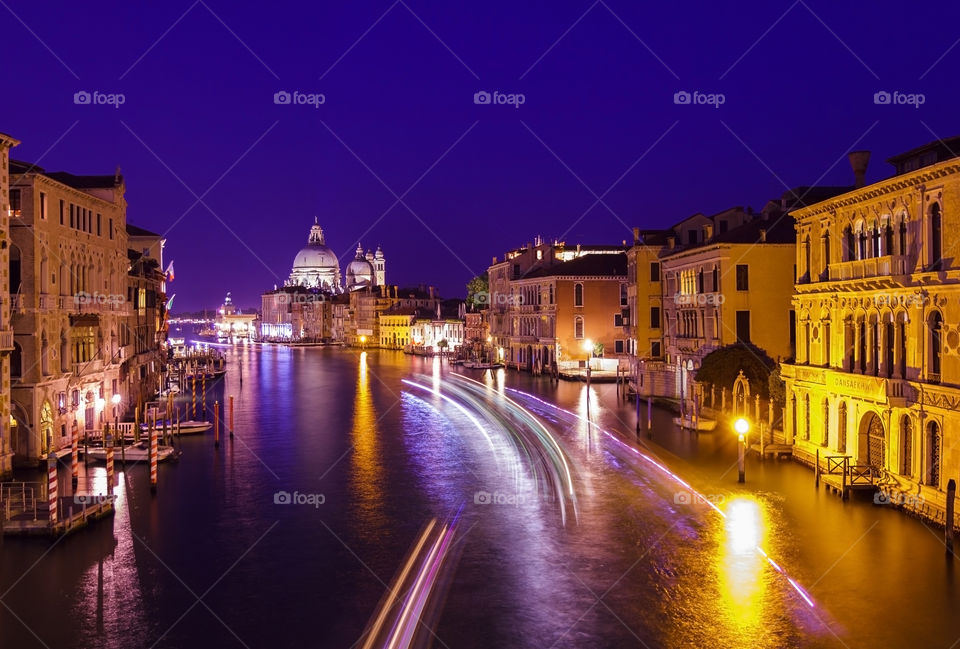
(478, 365)
(701, 424)
(188, 427)
(138, 452)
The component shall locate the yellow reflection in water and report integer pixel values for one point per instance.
(367, 472)
(741, 566)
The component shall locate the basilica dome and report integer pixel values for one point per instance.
(316, 265)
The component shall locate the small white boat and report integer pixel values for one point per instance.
(701, 424)
(139, 452)
(477, 365)
(186, 427)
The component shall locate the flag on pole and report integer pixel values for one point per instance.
(169, 272)
(170, 301)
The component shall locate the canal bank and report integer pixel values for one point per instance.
(387, 458)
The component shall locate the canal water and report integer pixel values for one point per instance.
(313, 524)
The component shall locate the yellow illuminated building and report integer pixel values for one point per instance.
(876, 376)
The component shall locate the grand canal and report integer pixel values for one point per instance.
(380, 491)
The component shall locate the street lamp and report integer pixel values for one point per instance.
(363, 340)
(742, 426)
(116, 419)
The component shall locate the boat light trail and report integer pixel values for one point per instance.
(673, 476)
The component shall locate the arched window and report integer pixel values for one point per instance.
(825, 441)
(16, 361)
(842, 427)
(716, 280)
(578, 294)
(850, 245)
(906, 446)
(932, 469)
(806, 417)
(578, 327)
(861, 241)
(44, 354)
(888, 239)
(936, 237)
(826, 256)
(64, 354)
(903, 236)
(936, 346)
(808, 271)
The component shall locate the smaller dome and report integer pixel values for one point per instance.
(360, 273)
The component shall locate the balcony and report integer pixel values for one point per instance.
(6, 340)
(88, 367)
(869, 268)
(16, 303)
(48, 302)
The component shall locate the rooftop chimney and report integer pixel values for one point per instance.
(636, 236)
(859, 161)
(671, 242)
(763, 236)
(707, 231)
(431, 292)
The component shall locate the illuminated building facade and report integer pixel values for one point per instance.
(6, 327)
(876, 376)
(68, 271)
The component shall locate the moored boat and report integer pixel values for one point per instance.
(139, 452)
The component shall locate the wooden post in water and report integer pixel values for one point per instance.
(203, 389)
(74, 455)
(637, 395)
(231, 416)
(948, 527)
(108, 445)
(153, 459)
(816, 471)
(650, 415)
(136, 425)
(193, 396)
(216, 424)
(178, 425)
(52, 487)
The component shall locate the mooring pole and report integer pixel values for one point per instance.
(948, 528)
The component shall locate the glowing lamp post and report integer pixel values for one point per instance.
(742, 426)
(115, 399)
(363, 341)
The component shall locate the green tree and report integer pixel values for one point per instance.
(777, 388)
(478, 292)
(721, 367)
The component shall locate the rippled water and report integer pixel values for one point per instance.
(593, 546)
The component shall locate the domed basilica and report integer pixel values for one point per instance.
(316, 267)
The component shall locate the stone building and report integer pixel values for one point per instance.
(142, 370)
(536, 315)
(7, 212)
(68, 272)
(876, 376)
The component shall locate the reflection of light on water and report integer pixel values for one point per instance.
(367, 465)
(740, 566)
(650, 460)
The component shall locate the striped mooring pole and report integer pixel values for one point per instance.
(203, 391)
(108, 441)
(52, 487)
(153, 459)
(193, 396)
(75, 456)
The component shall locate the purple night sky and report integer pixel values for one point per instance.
(234, 180)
